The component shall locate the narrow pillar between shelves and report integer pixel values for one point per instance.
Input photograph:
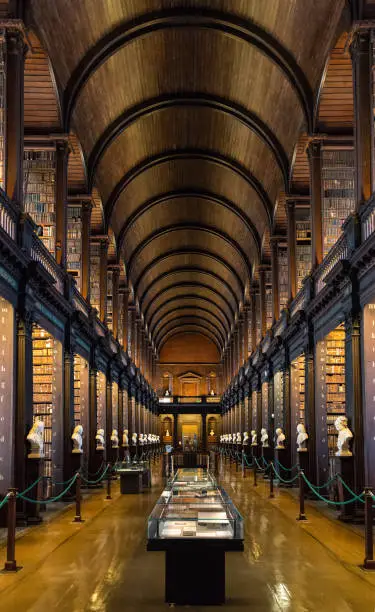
(14, 89)
(315, 160)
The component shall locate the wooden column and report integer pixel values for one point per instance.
(93, 459)
(62, 153)
(354, 403)
(310, 412)
(315, 160)
(253, 331)
(108, 416)
(115, 301)
(275, 280)
(103, 278)
(68, 415)
(292, 249)
(263, 307)
(125, 318)
(363, 125)
(15, 61)
(85, 246)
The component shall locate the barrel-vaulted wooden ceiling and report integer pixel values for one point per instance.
(189, 114)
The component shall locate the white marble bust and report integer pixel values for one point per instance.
(167, 434)
(77, 437)
(125, 437)
(140, 439)
(114, 438)
(212, 433)
(36, 439)
(344, 438)
(239, 440)
(100, 441)
(150, 438)
(280, 439)
(134, 438)
(302, 437)
(245, 440)
(264, 437)
(254, 438)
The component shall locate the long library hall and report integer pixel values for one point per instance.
(187, 305)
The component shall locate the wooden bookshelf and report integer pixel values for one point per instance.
(265, 414)
(337, 193)
(40, 192)
(254, 410)
(115, 405)
(101, 403)
(278, 387)
(282, 257)
(258, 322)
(95, 275)
(109, 315)
(268, 287)
(298, 389)
(2, 110)
(47, 388)
(303, 250)
(74, 243)
(7, 378)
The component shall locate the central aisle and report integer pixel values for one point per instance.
(105, 567)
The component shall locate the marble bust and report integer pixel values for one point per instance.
(114, 438)
(254, 438)
(77, 436)
(125, 437)
(264, 437)
(100, 441)
(280, 439)
(134, 438)
(212, 433)
(238, 438)
(302, 437)
(36, 439)
(245, 440)
(345, 437)
(167, 434)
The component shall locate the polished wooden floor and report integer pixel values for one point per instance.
(102, 565)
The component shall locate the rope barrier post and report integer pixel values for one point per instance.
(255, 474)
(10, 563)
(109, 478)
(271, 495)
(302, 515)
(78, 518)
(369, 543)
(243, 464)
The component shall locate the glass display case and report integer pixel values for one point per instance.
(195, 523)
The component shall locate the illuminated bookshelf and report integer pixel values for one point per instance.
(265, 405)
(254, 410)
(6, 393)
(47, 393)
(337, 193)
(268, 288)
(95, 275)
(120, 330)
(282, 257)
(2, 110)
(74, 243)
(109, 316)
(278, 386)
(298, 389)
(258, 323)
(39, 168)
(115, 405)
(331, 382)
(100, 400)
(303, 250)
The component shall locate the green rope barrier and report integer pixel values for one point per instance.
(98, 479)
(3, 501)
(247, 463)
(32, 485)
(285, 468)
(257, 462)
(283, 479)
(329, 501)
(51, 499)
(348, 488)
(97, 472)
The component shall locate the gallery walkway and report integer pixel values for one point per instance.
(102, 565)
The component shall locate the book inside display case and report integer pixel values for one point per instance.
(39, 169)
(330, 380)
(278, 387)
(74, 244)
(6, 393)
(81, 397)
(47, 399)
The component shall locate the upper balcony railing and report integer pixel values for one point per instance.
(188, 399)
(338, 253)
(41, 254)
(80, 302)
(368, 218)
(8, 216)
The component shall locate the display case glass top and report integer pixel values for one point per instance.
(193, 506)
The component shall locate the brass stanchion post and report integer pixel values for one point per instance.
(10, 563)
(369, 543)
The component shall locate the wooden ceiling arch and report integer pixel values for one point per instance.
(183, 252)
(200, 293)
(188, 320)
(181, 312)
(208, 19)
(186, 329)
(187, 154)
(199, 271)
(213, 102)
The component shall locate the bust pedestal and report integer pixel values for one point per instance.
(96, 468)
(34, 470)
(267, 454)
(254, 451)
(282, 456)
(76, 463)
(345, 466)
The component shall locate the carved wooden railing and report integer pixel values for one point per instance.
(80, 302)
(299, 302)
(338, 252)
(41, 254)
(367, 215)
(8, 216)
